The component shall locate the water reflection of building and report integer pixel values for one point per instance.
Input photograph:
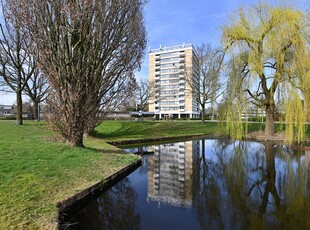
(170, 173)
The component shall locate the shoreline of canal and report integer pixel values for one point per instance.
(253, 136)
(69, 207)
(150, 194)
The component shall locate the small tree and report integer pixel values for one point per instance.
(269, 44)
(143, 93)
(37, 89)
(15, 66)
(206, 88)
(83, 48)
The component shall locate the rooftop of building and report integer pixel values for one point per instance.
(171, 48)
(6, 106)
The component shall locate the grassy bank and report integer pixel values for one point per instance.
(37, 172)
(130, 130)
(116, 131)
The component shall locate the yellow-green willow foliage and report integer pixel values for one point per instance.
(234, 109)
(270, 44)
(295, 118)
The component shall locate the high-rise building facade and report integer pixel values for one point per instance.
(172, 71)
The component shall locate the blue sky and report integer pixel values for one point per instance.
(172, 22)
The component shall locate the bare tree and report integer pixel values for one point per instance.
(83, 47)
(15, 68)
(143, 92)
(206, 87)
(37, 89)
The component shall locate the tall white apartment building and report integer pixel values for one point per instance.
(170, 71)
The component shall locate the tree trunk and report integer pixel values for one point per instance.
(269, 129)
(76, 139)
(19, 104)
(203, 114)
(36, 111)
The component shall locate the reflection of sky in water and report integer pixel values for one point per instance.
(234, 185)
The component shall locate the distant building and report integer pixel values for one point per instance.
(27, 112)
(7, 110)
(173, 97)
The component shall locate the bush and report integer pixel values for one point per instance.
(8, 118)
(257, 119)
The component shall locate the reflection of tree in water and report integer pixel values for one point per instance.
(117, 207)
(202, 200)
(269, 189)
(240, 188)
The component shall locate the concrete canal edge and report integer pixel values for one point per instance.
(68, 208)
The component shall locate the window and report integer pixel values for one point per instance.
(168, 91)
(169, 108)
(169, 70)
(163, 60)
(168, 102)
(168, 65)
(169, 54)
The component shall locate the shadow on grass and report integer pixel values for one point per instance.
(126, 129)
(116, 131)
(106, 151)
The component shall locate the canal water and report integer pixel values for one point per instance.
(207, 184)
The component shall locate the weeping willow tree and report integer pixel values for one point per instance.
(268, 45)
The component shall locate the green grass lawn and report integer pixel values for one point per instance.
(131, 130)
(115, 131)
(36, 173)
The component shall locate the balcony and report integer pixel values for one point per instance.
(182, 59)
